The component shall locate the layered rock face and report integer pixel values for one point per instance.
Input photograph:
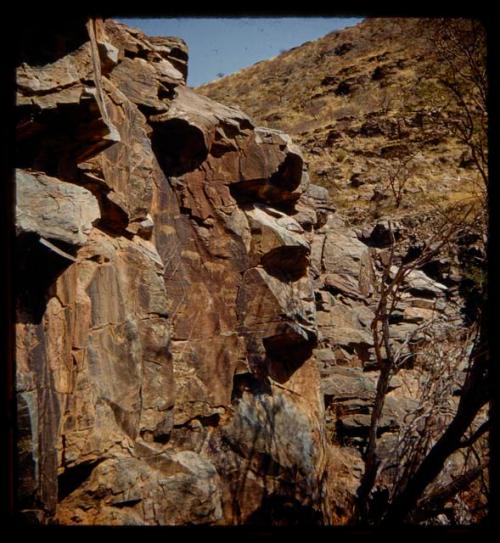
(166, 311)
(194, 335)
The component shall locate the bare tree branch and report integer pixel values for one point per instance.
(485, 426)
(433, 504)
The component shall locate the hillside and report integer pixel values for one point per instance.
(361, 105)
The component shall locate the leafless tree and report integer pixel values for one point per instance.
(426, 450)
(441, 364)
(388, 360)
(461, 49)
(456, 85)
(397, 173)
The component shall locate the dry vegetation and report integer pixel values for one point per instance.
(358, 102)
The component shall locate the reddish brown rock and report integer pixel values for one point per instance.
(173, 319)
(194, 341)
(122, 175)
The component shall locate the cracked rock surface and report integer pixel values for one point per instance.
(164, 369)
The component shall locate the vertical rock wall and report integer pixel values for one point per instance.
(166, 311)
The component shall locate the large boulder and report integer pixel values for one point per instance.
(348, 263)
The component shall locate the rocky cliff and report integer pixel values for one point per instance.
(194, 336)
(166, 313)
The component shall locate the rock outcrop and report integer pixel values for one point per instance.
(361, 102)
(166, 312)
(194, 317)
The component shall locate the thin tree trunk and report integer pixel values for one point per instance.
(474, 396)
(371, 460)
(432, 505)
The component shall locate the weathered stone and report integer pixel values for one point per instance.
(349, 397)
(422, 303)
(272, 426)
(312, 210)
(382, 234)
(317, 244)
(319, 194)
(191, 127)
(64, 72)
(278, 322)
(418, 282)
(278, 242)
(133, 43)
(68, 91)
(197, 356)
(418, 315)
(349, 383)
(344, 284)
(147, 491)
(404, 331)
(138, 80)
(325, 357)
(345, 326)
(53, 209)
(349, 261)
(121, 176)
(271, 434)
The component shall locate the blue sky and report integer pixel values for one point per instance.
(225, 45)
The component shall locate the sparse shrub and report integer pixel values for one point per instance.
(340, 155)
